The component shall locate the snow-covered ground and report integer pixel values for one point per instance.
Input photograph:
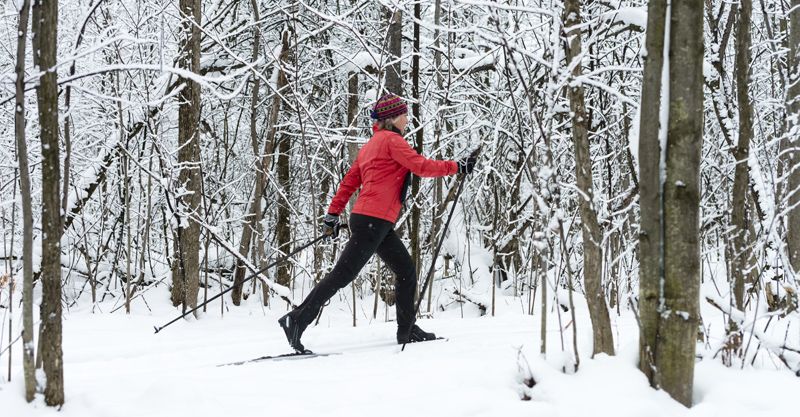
(115, 366)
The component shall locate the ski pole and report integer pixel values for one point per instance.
(436, 253)
(257, 273)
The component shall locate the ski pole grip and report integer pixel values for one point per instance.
(335, 229)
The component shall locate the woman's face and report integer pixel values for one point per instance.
(401, 123)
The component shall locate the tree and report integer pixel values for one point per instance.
(27, 206)
(284, 141)
(45, 31)
(592, 236)
(394, 75)
(739, 220)
(650, 198)
(793, 130)
(680, 310)
(417, 145)
(670, 306)
(283, 229)
(185, 288)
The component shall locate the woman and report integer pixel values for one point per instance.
(382, 171)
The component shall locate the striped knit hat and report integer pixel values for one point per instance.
(388, 106)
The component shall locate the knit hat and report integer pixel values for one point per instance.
(388, 106)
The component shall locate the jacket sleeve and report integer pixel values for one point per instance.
(405, 155)
(349, 185)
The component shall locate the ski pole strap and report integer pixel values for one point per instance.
(257, 273)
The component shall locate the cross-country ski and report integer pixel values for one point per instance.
(284, 357)
(306, 354)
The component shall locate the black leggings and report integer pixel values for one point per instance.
(369, 235)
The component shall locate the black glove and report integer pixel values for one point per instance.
(466, 165)
(331, 227)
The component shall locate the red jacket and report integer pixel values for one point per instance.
(380, 169)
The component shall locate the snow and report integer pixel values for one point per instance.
(630, 16)
(371, 96)
(115, 366)
(462, 64)
(664, 113)
(716, 385)
(633, 136)
(709, 73)
(362, 60)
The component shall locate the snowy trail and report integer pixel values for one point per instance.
(116, 366)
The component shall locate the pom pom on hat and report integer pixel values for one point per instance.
(387, 107)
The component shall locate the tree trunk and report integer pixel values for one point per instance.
(352, 132)
(680, 314)
(739, 259)
(128, 278)
(543, 333)
(45, 28)
(266, 160)
(650, 269)
(189, 158)
(793, 111)
(259, 260)
(352, 149)
(436, 223)
(416, 251)
(394, 76)
(592, 252)
(779, 69)
(27, 208)
(284, 234)
(253, 214)
(283, 231)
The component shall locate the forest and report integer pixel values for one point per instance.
(637, 182)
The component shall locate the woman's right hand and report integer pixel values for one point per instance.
(467, 164)
(331, 227)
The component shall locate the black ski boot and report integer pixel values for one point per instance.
(293, 332)
(416, 335)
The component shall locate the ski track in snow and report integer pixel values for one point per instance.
(115, 366)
